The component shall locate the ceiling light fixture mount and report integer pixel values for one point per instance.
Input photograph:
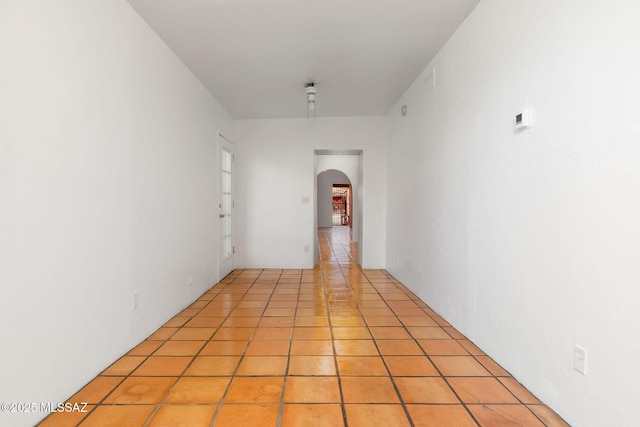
(311, 91)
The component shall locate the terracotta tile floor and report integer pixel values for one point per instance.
(332, 346)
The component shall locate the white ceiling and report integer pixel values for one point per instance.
(255, 56)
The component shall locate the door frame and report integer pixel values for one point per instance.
(225, 263)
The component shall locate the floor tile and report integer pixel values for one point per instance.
(316, 415)
(351, 333)
(162, 366)
(276, 322)
(355, 348)
(247, 312)
(459, 366)
(312, 390)
(481, 390)
(389, 333)
(504, 416)
(382, 321)
(368, 390)
(233, 334)
(124, 366)
(193, 334)
(141, 390)
(273, 334)
(362, 415)
(58, 419)
(471, 348)
(177, 321)
(255, 390)
(180, 348)
(262, 365)
(162, 334)
(425, 390)
(183, 416)
(312, 333)
(145, 348)
(347, 321)
(118, 416)
(440, 415)
(311, 321)
(241, 322)
(363, 366)
(96, 390)
(312, 365)
(399, 347)
(223, 348)
(247, 415)
(491, 366)
(213, 366)
(427, 332)
(519, 391)
(198, 390)
(312, 347)
(444, 347)
(410, 366)
(202, 321)
(548, 417)
(268, 348)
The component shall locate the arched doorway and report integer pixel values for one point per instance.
(340, 167)
(335, 200)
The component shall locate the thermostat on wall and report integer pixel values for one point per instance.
(524, 119)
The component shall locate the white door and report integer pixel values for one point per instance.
(225, 205)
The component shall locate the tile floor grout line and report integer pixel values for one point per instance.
(159, 404)
(242, 356)
(375, 343)
(216, 413)
(423, 351)
(332, 337)
(286, 368)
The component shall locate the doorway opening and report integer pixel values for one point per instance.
(341, 202)
(344, 169)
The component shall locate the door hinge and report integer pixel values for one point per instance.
(233, 249)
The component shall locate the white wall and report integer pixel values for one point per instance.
(528, 241)
(324, 204)
(275, 169)
(107, 168)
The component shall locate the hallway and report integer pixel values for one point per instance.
(331, 346)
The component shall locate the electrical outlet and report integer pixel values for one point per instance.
(580, 359)
(306, 249)
(134, 302)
